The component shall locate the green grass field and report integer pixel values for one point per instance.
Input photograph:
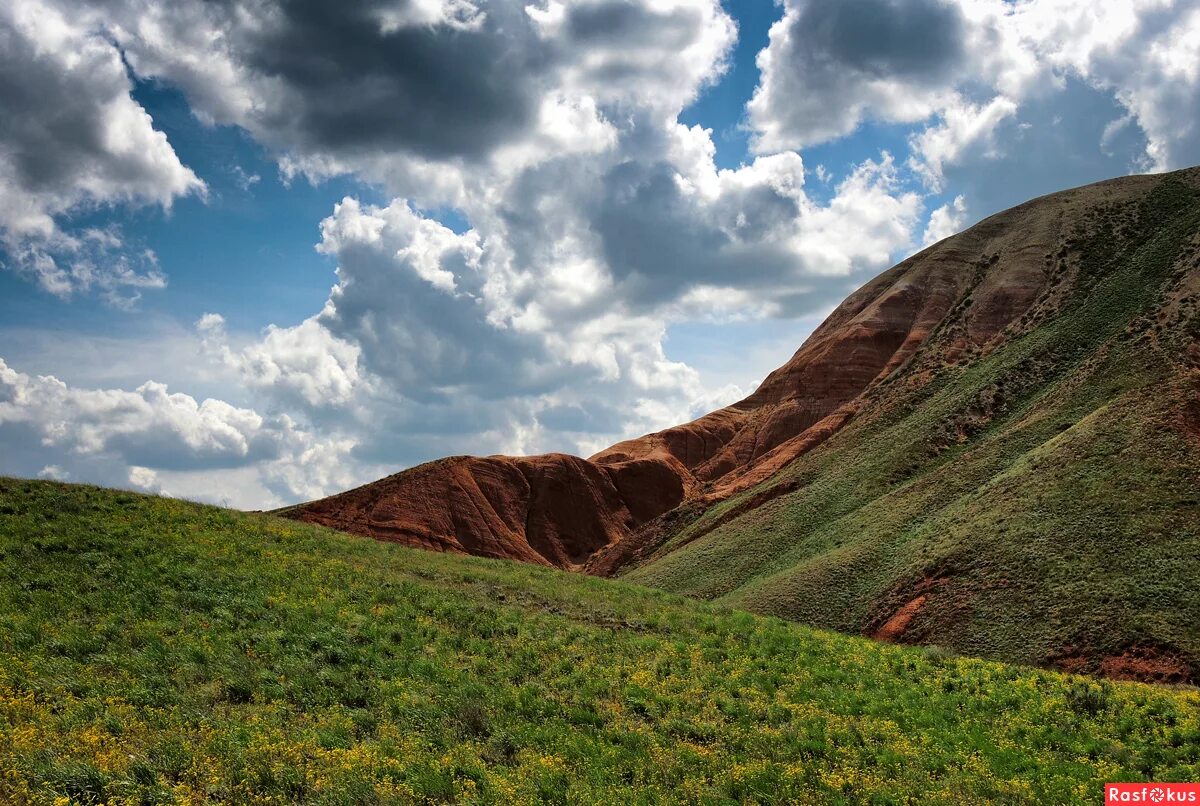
(156, 651)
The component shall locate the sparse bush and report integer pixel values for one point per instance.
(1086, 698)
(473, 721)
(938, 655)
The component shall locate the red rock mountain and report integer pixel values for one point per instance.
(569, 512)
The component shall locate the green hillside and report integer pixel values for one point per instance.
(1036, 499)
(155, 651)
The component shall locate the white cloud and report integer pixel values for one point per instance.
(966, 67)
(831, 64)
(945, 221)
(54, 472)
(243, 178)
(145, 479)
(91, 260)
(433, 338)
(305, 361)
(864, 225)
(596, 220)
(151, 438)
(72, 138)
(423, 91)
(962, 125)
(146, 422)
(411, 13)
(529, 332)
(1156, 76)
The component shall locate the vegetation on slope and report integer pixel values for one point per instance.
(1034, 500)
(153, 650)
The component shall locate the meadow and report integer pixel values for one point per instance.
(158, 651)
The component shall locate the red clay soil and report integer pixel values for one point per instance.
(551, 510)
(1147, 664)
(560, 510)
(893, 629)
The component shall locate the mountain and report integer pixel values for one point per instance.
(157, 651)
(993, 446)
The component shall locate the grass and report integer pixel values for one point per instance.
(156, 651)
(1041, 495)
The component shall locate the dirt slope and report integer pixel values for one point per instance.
(552, 510)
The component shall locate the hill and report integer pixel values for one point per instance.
(157, 651)
(993, 446)
(1025, 491)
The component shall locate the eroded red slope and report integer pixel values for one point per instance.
(562, 510)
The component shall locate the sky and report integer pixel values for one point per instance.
(254, 252)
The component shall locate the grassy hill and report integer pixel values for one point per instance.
(993, 446)
(1033, 498)
(155, 651)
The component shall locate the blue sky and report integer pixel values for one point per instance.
(246, 249)
(262, 267)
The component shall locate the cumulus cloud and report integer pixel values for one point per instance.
(945, 221)
(405, 92)
(144, 479)
(538, 332)
(832, 63)
(54, 473)
(595, 221)
(966, 69)
(306, 362)
(546, 126)
(1145, 53)
(148, 426)
(962, 125)
(143, 436)
(436, 360)
(568, 311)
(72, 138)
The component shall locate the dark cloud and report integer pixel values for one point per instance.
(659, 241)
(159, 448)
(62, 110)
(832, 63)
(54, 124)
(649, 233)
(352, 86)
(355, 84)
(431, 342)
(630, 24)
(882, 38)
(596, 419)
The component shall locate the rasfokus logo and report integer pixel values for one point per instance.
(1152, 793)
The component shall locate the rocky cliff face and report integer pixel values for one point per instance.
(970, 291)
